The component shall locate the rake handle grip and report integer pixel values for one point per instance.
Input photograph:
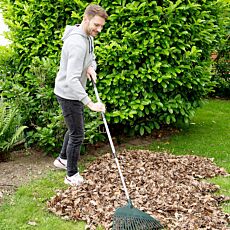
(111, 143)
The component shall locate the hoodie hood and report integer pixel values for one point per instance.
(76, 29)
(70, 30)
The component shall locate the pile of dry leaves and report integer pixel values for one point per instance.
(168, 187)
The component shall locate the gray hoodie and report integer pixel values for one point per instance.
(76, 56)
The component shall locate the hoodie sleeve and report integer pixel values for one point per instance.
(76, 48)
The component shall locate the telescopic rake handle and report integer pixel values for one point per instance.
(111, 144)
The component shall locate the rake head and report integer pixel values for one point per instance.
(130, 218)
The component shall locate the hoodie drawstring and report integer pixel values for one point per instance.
(90, 45)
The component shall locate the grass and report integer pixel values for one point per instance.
(26, 208)
(208, 135)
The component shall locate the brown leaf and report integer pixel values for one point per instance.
(167, 187)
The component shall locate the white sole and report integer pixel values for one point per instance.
(66, 181)
(59, 165)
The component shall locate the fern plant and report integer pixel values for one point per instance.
(11, 130)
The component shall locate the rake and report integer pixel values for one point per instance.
(127, 217)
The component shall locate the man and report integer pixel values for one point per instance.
(76, 65)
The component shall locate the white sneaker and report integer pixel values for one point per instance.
(74, 180)
(60, 163)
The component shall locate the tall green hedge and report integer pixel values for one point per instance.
(153, 59)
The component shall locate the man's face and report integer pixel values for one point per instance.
(94, 25)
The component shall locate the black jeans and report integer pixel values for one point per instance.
(73, 112)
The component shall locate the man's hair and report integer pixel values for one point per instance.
(93, 10)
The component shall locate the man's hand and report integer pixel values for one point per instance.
(91, 72)
(97, 107)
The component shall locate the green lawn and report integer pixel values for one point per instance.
(27, 208)
(208, 135)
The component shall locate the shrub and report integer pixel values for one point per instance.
(11, 130)
(221, 70)
(38, 46)
(221, 57)
(7, 67)
(153, 61)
